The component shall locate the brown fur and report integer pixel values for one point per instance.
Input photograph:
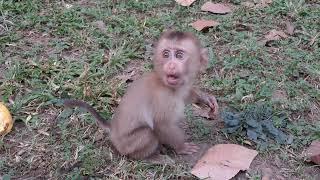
(149, 113)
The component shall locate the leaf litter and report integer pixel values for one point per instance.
(223, 161)
(290, 28)
(216, 8)
(185, 2)
(257, 4)
(200, 25)
(273, 35)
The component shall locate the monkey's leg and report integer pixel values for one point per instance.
(171, 134)
(139, 144)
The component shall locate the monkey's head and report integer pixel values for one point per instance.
(178, 58)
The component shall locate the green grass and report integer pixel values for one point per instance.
(49, 51)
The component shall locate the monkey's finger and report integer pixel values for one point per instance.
(215, 105)
(188, 151)
(192, 147)
(209, 103)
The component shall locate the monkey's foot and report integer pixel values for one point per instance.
(188, 148)
(160, 159)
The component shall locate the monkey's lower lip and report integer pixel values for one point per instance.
(172, 80)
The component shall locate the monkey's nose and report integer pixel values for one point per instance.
(172, 66)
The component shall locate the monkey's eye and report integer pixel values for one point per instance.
(179, 54)
(165, 54)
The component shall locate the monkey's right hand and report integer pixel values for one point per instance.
(188, 148)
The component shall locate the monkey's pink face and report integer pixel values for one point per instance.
(174, 59)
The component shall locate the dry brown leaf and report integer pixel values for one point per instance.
(216, 8)
(290, 28)
(313, 152)
(185, 2)
(223, 161)
(279, 95)
(100, 25)
(261, 4)
(127, 76)
(266, 1)
(314, 39)
(248, 4)
(202, 24)
(274, 35)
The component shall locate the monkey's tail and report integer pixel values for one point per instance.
(78, 103)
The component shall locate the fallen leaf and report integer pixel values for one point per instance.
(100, 25)
(314, 39)
(313, 152)
(290, 28)
(248, 98)
(185, 2)
(127, 76)
(84, 74)
(98, 135)
(216, 8)
(43, 132)
(263, 3)
(202, 24)
(248, 4)
(68, 6)
(279, 95)
(275, 35)
(223, 161)
(205, 112)
(259, 4)
(243, 27)
(266, 1)
(266, 174)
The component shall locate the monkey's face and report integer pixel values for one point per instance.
(177, 62)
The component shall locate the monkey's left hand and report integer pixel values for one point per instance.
(211, 101)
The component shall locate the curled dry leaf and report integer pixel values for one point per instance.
(202, 24)
(275, 35)
(313, 152)
(248, 98)
(263, 3)
(248, 4)
(223, 161)
(216, 8)
(127, 77)
(290, 28)
(279, 95)
(100, 25)
(185, 2)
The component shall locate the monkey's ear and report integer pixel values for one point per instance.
(204, 61)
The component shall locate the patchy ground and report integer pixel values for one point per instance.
(91, 50)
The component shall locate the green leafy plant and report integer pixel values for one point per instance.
(257, 123)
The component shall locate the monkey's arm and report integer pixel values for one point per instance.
(199, 97)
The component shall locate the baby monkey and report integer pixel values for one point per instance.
(148, 115)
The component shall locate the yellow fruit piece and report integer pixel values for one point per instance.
(6, 122)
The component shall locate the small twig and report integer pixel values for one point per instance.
(314, 39)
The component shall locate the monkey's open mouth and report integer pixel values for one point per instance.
(173, 79)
